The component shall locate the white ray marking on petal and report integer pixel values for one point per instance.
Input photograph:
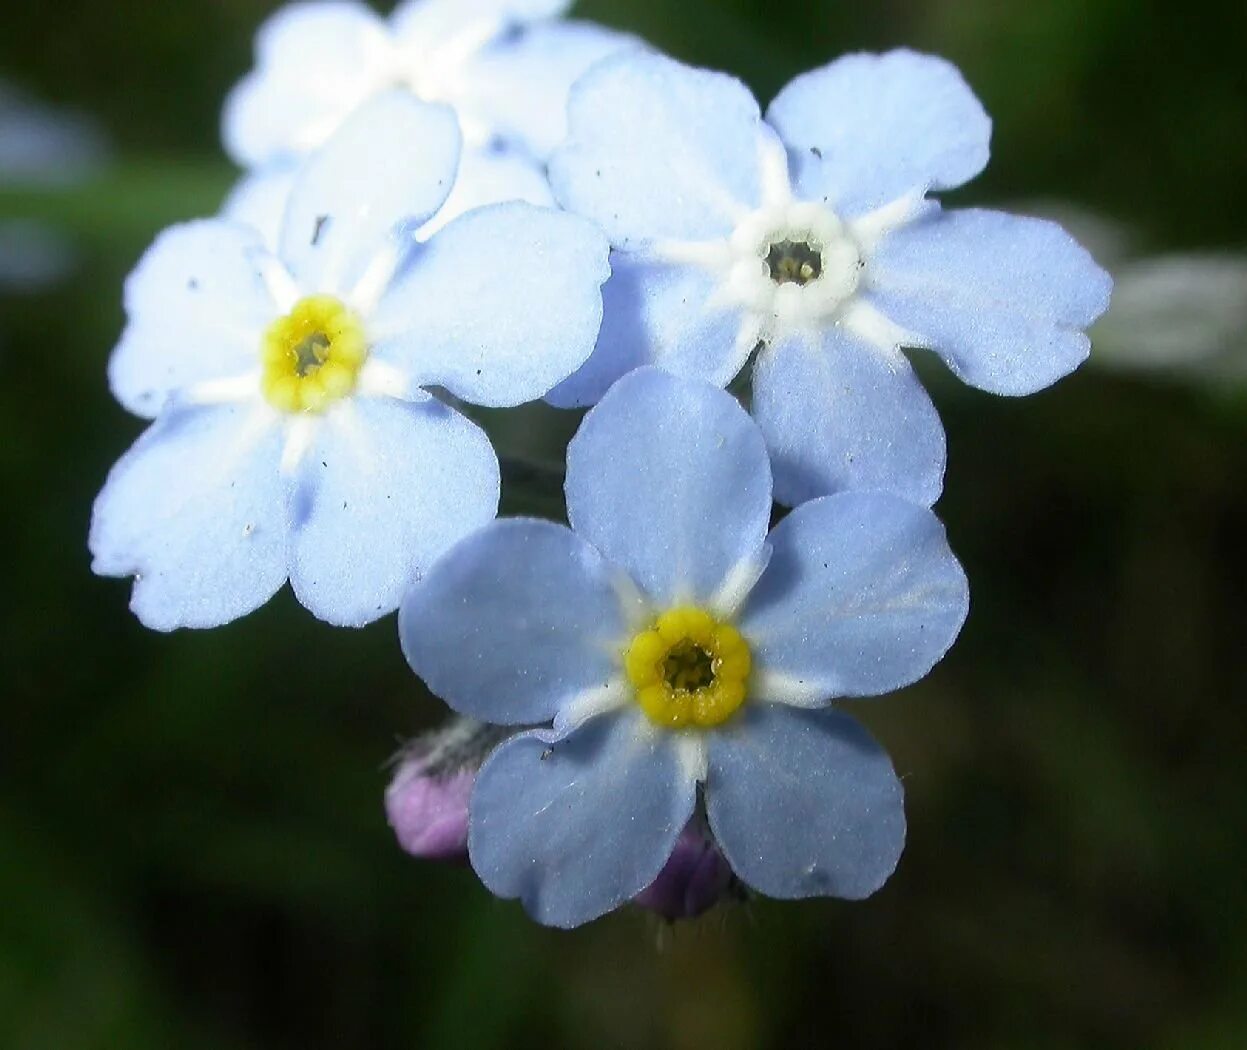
(281, 286)
(226, 391)
(636, 609)
(774, 688)
(866, 322)
(610, 696)
(870, 229)
(376, 277)
(751, 333)
(300, 432)
(691, 749)
(382, 379)
(710, 255)
(731, 595)
(773, 170)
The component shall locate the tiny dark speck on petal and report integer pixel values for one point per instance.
(193, 284)
(323, 463)
(344, 504)
(547, 753)
(817, 152)
(318, 229)
(478, 371)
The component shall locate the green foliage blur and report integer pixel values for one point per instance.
(192, 846)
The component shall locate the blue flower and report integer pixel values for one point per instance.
(505, 66)
(810, 235)
(674, 644)
(293, 438)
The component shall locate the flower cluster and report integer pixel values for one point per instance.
(479, 202)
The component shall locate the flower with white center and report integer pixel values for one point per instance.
(293, 437)
(809, 235)
(673, 643)
(504, 65)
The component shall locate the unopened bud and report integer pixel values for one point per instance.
(427, 801)
(694, 879)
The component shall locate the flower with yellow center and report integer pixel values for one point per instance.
(688, 669)
(668, 658)
(312, 355)
(287, 371)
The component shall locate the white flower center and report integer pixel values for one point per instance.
(796, 262)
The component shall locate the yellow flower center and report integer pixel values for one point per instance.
(313, 355)
(688, 669)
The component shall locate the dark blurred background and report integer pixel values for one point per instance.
(192, 846)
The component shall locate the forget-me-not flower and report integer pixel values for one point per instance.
(293, 437)
(504, 65)
(673, 644)
(809, 234)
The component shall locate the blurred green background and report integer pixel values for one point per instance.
(192, 846)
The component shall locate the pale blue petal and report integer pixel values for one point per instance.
(381, 175)
(490, 176)
(196, 511)
(659, 150)
(804, 803)
(519, 86)
(869, 129)
(669, 479)
(840, 414)
(657, 313)
(259, 199)
(861, 596)
(485, 176)
(498, 307)
(433, 27)
(196, 310)
(515, 622)
(315, 63)
(387, 487)
(1004, 300)
(576, 827)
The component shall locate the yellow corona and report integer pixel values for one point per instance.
(313, 355)
(688, 669)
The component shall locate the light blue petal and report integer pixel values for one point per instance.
(196, 310)
(432, 27)
(259, 199)
(839, 414)
(316, 62)
(576, 827)
(658, 150)
(196, 512)
(385, 490)
(381, 175)
(490, 176)
(516, 621)
(485, 176)
(657, 313)
(498, 307)
(1002, 299)
(861, 596)
(668, 478)
(804, 803)
(518, 87)
(869, 129)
